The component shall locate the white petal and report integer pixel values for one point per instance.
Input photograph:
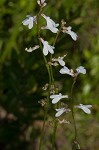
(53, 29)
(50, 24)
(42, 1)
(45, 50)
(73, 35)
(85, 109)
(32, 49)
(59, 113)
(29, 50)
(54, 96)
(55, 100)
(64, 70)
(30, 24)
(50, 49)
(81, 69)
(61, 62)
(25, 22)
(64, 96)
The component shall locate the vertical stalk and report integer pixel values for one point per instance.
(54, 135)
(56, 123)
(72, 108)
(48, 69)
(51, 55)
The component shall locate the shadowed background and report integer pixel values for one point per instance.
(22, 74)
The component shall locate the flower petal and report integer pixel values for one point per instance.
(55, 100)
(50, 49)
(81, 69)
(85, 109)
(64, 70)
(30, 24)
(74, 35)
(45, 50)
(54, 96)
(60, 112)
(61, 62)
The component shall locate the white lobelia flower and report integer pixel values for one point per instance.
(71, 33)
(85, 108)
(32, 48)
(60, 60)
(46, 47)
(41, 3)
(50, 24)
(60, 111)
(81, 69)
(57, 97)
(65, 70)
(63, 121)
(29, 21)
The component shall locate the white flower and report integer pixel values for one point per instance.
(32, 49)
(29, 21)
(85, 108)
(65, 70)
(60, 60)
(81, 69)
(63, 121)
(57, 97)
(60, 111)
(50, 24)
(46, 47)
(41, 3)
(71, 33)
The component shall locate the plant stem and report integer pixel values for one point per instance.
(72, 108)
(54, 135)
(48, 69)
(56, 123)
(45, 116)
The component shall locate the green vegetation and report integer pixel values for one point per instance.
(22, 74)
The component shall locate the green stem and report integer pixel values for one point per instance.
(45, 116)
(51, 70)
(54, 135)
(57, 36)
(48, 69)
(72, 108)
(56, 123)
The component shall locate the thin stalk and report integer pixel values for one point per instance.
(72, 108)
(48, 69)
(51, 70)
(45, 116)
(56, 123)
(55, 129)
(54, 135)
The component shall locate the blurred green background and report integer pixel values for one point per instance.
(22, 74)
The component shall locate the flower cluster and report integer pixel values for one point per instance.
(70, 72)
(50, 25)
(56, 98)
(46, 48)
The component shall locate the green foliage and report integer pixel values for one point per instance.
(22, 74)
